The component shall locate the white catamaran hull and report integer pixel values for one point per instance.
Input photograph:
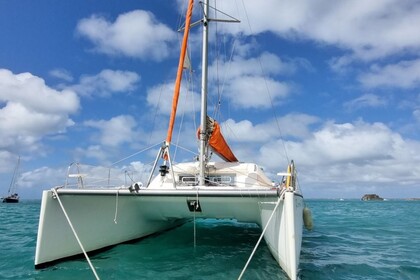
(103, 218)
(284, 233)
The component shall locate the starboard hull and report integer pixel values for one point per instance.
(284, 233)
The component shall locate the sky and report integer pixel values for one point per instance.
(333, 85)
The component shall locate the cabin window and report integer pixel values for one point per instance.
(188, 180)
(221, 180)
(211, 180)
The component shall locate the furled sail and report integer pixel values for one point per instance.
(217, 142)
(183, 63)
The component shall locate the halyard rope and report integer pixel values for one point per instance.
(75, 234)
(262, 235)
(195, 226)
(116, 207)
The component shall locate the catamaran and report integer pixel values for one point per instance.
(76, 221)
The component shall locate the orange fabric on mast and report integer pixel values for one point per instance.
(180, 70)
(218, 144)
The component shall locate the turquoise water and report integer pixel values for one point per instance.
(351, 240)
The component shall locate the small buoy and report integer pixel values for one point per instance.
(307, 218)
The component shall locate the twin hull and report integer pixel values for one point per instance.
(103, 218)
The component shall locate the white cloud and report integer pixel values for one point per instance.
(292, 125)
(32, 91)
(351, 142)
(416, 114)
(404, 74)
(92, 152)
(367, 29)
(244, 80)
(350, 155)
(246, 92)
(160, 97)
(7, 161)
(137, 171)
(366, 100)
(116, 131)
(26, 117)
(245, 131)
(62, 74)
(266, 64)
(340, 64)
(135, 34)
(107, 82)
(42, 177)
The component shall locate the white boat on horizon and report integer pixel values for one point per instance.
(76, 221)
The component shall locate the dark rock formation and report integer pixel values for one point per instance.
(371, 197)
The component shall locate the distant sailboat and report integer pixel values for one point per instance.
(12, 196)
(75, 221)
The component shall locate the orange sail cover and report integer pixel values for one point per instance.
(217, 142)
(219, 146)
(179, 72)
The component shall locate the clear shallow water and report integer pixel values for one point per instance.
(362, 240)
(351, 240)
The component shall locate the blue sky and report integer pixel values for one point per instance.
(92, 81)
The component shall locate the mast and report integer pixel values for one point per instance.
(203, 117)
(203, 133)
(15, 172)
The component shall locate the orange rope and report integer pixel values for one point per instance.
(180, 70)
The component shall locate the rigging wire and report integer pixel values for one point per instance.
(262, 234)
(191, 87)
(268, 89)
(54, 190)
(179, 134)
(136, 153)
(189, 91)
(219, 94)
(180, 26)
(155, 116)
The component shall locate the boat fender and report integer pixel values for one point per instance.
(307, 218)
